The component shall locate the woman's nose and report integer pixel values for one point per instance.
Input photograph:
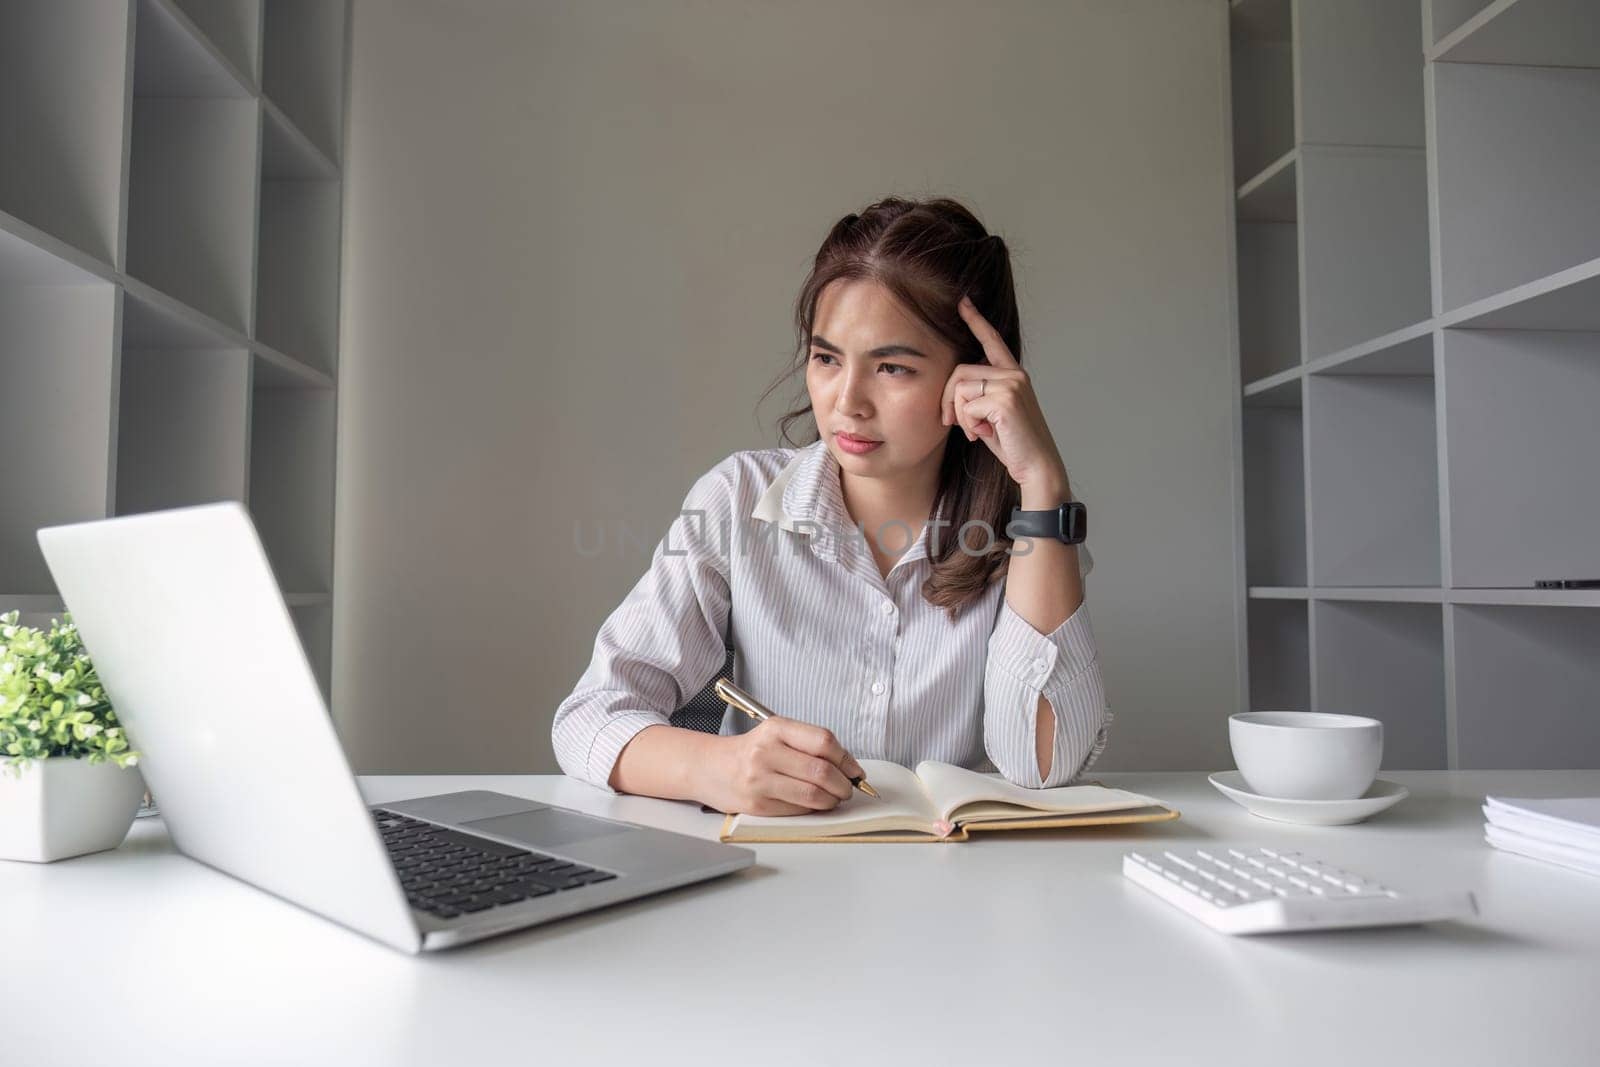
(853, 393)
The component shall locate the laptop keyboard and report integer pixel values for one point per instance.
(448, 873)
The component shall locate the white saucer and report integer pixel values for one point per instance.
(1382, 795)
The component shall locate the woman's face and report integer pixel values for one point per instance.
(875, 372)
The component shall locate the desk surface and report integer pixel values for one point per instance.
(998, 948)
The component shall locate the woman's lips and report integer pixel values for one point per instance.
(856, 445)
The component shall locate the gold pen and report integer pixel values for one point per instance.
(756, 710)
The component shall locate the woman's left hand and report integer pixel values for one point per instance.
(995, 401)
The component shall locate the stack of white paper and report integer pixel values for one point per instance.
(1564, 831)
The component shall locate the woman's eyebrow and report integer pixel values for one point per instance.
(884, 350)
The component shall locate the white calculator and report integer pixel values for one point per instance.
(1266, 890)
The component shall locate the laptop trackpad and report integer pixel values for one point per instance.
(545, 828)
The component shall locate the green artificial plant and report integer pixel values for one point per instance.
(51, 703)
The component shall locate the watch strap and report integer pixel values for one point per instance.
(1066, 523)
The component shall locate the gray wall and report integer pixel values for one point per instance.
(573, 237)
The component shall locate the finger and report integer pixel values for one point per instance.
(813, 770)
(808, 795)
(773, 806)
(952, 385)
(962, 418)
(975, 413)
(984, 414)
(817, 741)
(994, 346)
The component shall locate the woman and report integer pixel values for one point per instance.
(865, 582)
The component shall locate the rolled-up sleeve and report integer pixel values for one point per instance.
(1062, 666)
(661, 644)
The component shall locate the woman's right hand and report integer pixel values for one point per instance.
(780, 767)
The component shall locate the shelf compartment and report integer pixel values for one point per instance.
(1535, 33)
(302, 66)
(1393, 594)
(1269, 298)
(1408, 351)
(1364, 245)
(1515, 163)
(1566, 300)
(1386, 661)
(1387, 594)
(63, 82)
(1270, 195)
(1373, 478)
(1441, 18)
(1523, 484)
(192, 202)
(288, 153)
(1280, 656)
(1568, 598)
(174, 58)
(1262, 71)
(297, 295)
(184, 405)
(1525, 684)
(1281, 390)
(233, 27)
(58, 372)
(291, 473)
(1274, 489)
(1358, 72)
(30, 257)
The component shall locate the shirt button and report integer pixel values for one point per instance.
(887, 607)
(877, 687)
(1040, 665)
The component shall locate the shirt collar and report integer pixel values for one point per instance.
(806, 497)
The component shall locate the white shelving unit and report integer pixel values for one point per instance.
(1419, 345)
(170, 200)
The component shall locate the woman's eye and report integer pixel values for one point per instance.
(899, 370)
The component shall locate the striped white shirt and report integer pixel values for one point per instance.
(764, 558)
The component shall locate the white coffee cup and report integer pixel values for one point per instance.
(1306, 755)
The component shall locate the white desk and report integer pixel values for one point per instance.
(1030, 949)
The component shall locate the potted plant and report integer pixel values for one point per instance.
(68, 783)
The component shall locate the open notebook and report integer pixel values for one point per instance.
(942, 802)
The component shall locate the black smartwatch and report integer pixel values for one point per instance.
(1067, 523)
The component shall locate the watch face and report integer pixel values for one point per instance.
(1072, 522)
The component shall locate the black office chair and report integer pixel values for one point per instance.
(704, 712)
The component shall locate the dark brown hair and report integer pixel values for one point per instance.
(927, 253)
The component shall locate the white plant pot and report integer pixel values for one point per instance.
(66, 807)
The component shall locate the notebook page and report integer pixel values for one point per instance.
(1581, 814)
(1534, 822)
(900, 799)
(950, 787)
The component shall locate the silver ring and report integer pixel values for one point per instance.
(983, 383)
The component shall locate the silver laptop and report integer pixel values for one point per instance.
(183, 619)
